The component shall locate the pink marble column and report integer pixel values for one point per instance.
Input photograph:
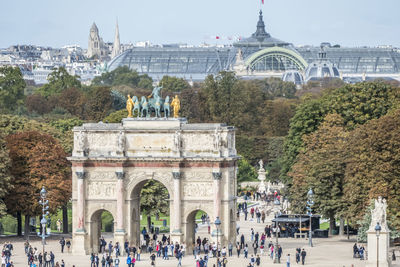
(217, 194)
(120, 202)
(177, 202)
(81, 201)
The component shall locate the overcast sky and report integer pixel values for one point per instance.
(60, 22)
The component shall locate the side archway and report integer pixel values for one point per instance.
(197, 224)
(275, 59)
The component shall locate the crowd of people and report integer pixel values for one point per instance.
(36, 258)
(6, 254)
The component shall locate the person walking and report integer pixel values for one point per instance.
(153, 259)
(303, 256)
(238, 248)
(258, 260)
(179, 257)
(288, 260)
(246, 251)
(242, 240)
(230, 247)
(224, 262)
(62, 243)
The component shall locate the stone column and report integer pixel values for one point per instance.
(217, 194)
(177, 201)
(81, 202)
(119, 234)
(120, 202)
(80, 244)
(217, 233)
(177, 232)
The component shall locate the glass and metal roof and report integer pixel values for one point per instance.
(198, 62)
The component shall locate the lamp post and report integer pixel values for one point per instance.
(378, 229)
(310, 203)
(44, 202)
(277, 211)
(217, 225)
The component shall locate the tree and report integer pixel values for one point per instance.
(72, 100)
(37, 160)
(246, 172)
(5, 175)
(355, 103)
(275, 87)
(37, 103)
(153, 200)
(12, 124)
(99, 104)
(277, 115)
(117, 116)
(322, 166)
(373, 167)
(123, 76)
(59, 80)
(173, 85)
(12, 87)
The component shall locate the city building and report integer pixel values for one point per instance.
(260, 56)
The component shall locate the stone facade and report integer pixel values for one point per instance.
(197, 163)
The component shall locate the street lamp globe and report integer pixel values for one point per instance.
(378, 228)
(310, 194)
(217, 222)
(43, 192)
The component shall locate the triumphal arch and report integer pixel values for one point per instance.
(111, 162)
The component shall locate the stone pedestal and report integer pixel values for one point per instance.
(380, 245)
(120, 237)
(78, 246)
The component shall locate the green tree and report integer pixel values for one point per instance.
(117, 116)
(246, 172)
(173, 85)
(123, 76)
(59, 80)
(275, 87)
(355, 103)
(12, 87)
(154, 200)
(5, 175)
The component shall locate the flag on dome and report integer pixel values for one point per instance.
(217, 37)
(262, 1)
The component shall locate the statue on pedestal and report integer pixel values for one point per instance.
(129, 106)
(378, 215)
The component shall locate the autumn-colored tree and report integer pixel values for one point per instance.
(37, 160)
(322, 167)
(72, 100)
(373, 167)
(37, 103)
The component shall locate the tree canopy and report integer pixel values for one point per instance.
(12, 87)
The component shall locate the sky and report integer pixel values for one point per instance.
(302, 22)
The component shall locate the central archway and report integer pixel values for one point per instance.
(150, 210)
(101, 225)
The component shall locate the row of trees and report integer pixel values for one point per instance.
(345, 146)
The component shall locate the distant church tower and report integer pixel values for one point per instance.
(96, 45)
(117, 45)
